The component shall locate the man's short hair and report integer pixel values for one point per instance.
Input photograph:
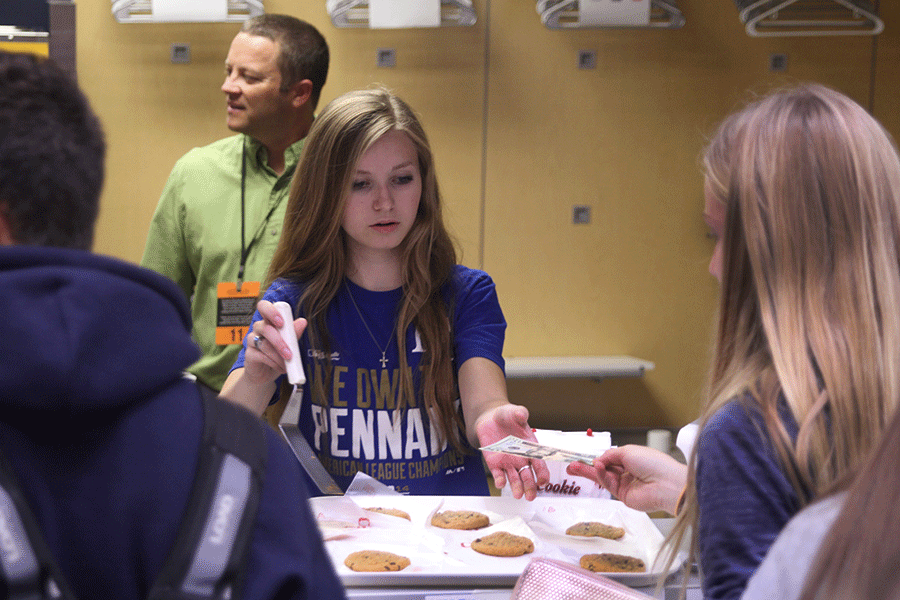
(303, 52)
(52, 150)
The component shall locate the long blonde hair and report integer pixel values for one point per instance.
(313, 246)
(810, 281)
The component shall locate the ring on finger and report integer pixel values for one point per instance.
(523, 468)
(257, 341)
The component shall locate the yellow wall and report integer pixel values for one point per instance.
(521, 135)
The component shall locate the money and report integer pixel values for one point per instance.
(519, 447)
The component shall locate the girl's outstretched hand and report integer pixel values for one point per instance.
(643, 478)
(524, 475)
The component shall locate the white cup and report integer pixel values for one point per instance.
(660, 439)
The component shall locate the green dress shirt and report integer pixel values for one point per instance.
(195, 234)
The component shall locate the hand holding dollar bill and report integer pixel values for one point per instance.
(519, 447)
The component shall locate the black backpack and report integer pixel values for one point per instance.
(207, 559)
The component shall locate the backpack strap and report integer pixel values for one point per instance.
(27, 567)
(208, 558)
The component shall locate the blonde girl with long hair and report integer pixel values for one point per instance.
(402, 347)
(802, 193)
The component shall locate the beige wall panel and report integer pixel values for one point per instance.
(153, 111)
(623, 139)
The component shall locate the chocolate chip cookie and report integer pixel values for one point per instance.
(503, 543)
(375, 560)
(460, 519)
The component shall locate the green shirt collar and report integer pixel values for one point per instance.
(260, 155)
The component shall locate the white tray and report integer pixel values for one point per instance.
(442, 557)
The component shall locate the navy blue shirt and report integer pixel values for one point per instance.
(356, 428)
(745, 497)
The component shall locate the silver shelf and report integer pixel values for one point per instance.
(14, 34)
(591, 367)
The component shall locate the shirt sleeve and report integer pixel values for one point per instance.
(479, 325)
(745, 499)
(165, 251)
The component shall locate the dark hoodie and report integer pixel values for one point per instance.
(103, 430)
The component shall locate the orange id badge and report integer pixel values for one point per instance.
(234, 310)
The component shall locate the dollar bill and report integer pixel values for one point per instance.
(519, 447)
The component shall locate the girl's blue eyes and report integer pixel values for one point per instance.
(362, 184)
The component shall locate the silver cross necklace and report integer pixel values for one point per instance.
(383, 360)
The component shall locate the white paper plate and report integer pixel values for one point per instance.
(442, 557)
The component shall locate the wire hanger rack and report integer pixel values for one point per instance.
(355, 13)
(809, 17)
(141, 11)
(563, 14)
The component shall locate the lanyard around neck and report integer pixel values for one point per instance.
(245, 248)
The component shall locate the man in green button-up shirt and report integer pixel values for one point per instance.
(220, 215)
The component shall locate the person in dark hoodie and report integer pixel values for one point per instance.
(100, 427)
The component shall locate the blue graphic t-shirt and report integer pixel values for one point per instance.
(356, 427)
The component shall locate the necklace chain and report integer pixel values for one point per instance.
(383, 360)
